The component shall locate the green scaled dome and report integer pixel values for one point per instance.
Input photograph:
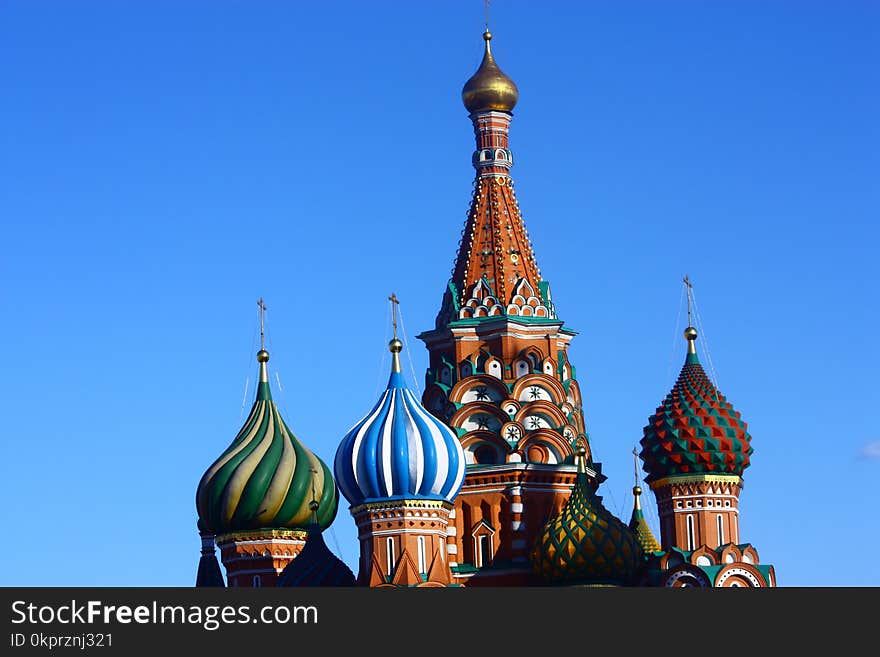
(639, 526)
(266, 478)
(585, 543)
(695, 431)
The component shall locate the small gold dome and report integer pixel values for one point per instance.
(262, 356)
(489, 89)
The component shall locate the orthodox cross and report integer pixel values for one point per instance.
(688, 285)
(262, 307)
(395, 302)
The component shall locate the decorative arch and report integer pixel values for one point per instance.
(474, 440)
(534, 356)
(541, 409)
(435, 399)
(703, 556)
(553, 386)
(468, 412)
(552, 440)
(730, 554)
(458, 392)
(572, 393)
(739, 574)
(524, 302)
(750, 555)
(481, 303)
(686, 575)
(671, 559)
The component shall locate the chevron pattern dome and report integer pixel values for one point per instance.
(399, 450)
(266, 477)
(695, 430)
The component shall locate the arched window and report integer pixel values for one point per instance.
(486, 454)
(484, 550)
(484, 546)
(423, 568)
(390, 557)
(691, 540)
(720, 520)
(258, 582)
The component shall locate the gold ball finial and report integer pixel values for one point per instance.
(487, 36)
(580, 459)
(637, 490)
(690, 333)
(313, 505)
(262, 356)
(395, 346)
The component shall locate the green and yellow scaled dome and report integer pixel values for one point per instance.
(585, 543)
(266, 478)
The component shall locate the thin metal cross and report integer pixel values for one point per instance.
(688, 285)
(262, 307)
(394, 303)
(636, 465)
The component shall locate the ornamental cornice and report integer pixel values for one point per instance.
(678, 480)
(387, 505)
(262, 534)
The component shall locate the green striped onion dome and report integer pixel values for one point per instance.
(695, 430)
(585, 543)
(266, 478)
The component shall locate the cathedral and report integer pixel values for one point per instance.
(489, 478)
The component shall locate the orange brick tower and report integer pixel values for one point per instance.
(499, 373)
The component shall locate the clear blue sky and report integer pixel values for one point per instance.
(163, 164)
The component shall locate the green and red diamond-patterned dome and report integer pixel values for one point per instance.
(695, 430)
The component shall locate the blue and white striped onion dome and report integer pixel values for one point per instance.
(399, 450)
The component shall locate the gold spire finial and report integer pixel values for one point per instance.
(637, 490)
(690, 333)
(395, 345)
(262, 354)
(580, 459)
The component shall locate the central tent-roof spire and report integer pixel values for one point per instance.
(495, 272)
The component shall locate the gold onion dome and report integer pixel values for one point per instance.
(489, 89)
(585, 544)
